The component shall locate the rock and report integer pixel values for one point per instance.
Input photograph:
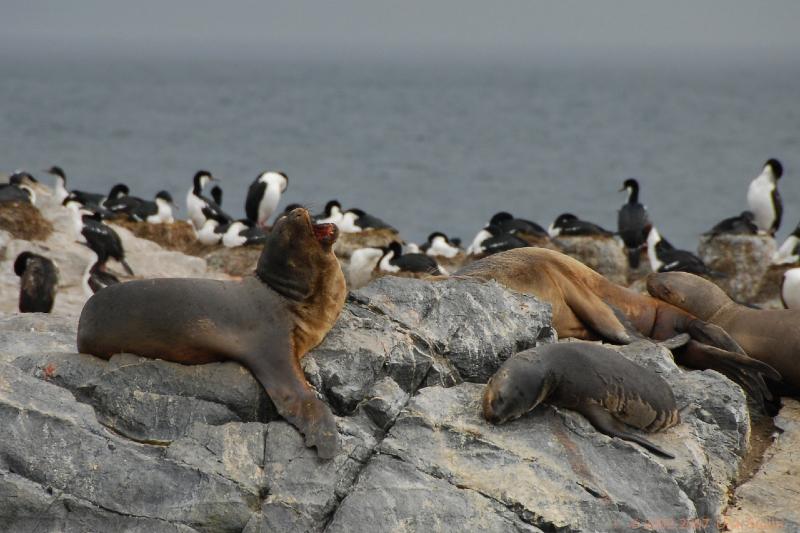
(605, 255)
(149, 260)
(394, 496)
(44, 510)
(178, 236)
(384, 401)
(768, 501)
(158, 401)
(743, 259)
(24, 221)
(475, 325)
(239, 261)
(74, 454)
(5, 238)
(35, 333)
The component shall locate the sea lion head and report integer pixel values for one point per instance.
(516, 388)
(298, 259)
(687, 291)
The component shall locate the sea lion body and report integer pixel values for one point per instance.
(594, 380)
(267, 322)
(769, 335)
(588, 306)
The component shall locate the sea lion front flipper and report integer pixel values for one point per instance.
(283, 379)
(604, 422)
(711, 334)
(595, 313)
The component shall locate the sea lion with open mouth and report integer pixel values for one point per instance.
(267, 322)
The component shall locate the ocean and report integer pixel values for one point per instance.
(426, 147)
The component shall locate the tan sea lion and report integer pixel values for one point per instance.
(769, 335)
(588, 306)
(267, 322)
(598, 382)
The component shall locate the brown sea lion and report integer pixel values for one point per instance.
(598, 382)
(267, 322)
(769, 335)
(588, 306)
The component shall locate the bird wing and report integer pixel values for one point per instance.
(254, 194)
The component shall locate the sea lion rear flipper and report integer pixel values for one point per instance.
(286, 386)
(746, 371)
(604, 422)
(595, 313)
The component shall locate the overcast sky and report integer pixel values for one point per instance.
(410, 28)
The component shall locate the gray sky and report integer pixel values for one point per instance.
(411, 28)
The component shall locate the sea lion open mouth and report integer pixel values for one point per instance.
(325, 233)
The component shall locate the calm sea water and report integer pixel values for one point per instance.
(424, 147)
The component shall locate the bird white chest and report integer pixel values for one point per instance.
(759, 200)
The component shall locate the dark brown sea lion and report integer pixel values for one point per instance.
(267, 322)
(587, 306)
(598, 382)
(769, 335)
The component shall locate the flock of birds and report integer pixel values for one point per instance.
(213, 226)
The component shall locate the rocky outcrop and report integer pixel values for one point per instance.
(769, 501)
(132, 444)
(24, 221)
(743, 260)
(605, 255)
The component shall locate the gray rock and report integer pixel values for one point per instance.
(605, 255)
(769, 501)
(565, 474)
(35, 333)
(384, 402)
(743, 259)
(394, 496)
(75, 454)
(475, 325)
(44, 510)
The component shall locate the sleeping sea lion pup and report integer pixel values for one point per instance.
(598, 382)
(267, 322)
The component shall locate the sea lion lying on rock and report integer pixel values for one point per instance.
(587, 306)
(266, 322)
(598, 382)
(769, 335)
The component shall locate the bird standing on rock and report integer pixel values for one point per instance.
(38, 282)
(764, 199)
(264, 195)
(633, 222)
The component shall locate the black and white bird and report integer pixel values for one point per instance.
(83, 197)
(666, 258)
(214, 227)
(633, 223)
(243, 233)
(438, 245)
(569, 224)
(264, 195)
(394, 261)
(196, 202)
(117, 193)
(790, 289)
(96, 276)
(38, 282)
(491, 240)
(789, 252)
(506, 223)
(764, 199)
(363, 263)
(331, 215)
(356, 220)
(17, 193)
(98, 236)
(743, 224)
(159, 211)
(19, 177)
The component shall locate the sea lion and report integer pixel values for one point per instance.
(267, 321)
(587, 306)
(769, 335)
(598, 382)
